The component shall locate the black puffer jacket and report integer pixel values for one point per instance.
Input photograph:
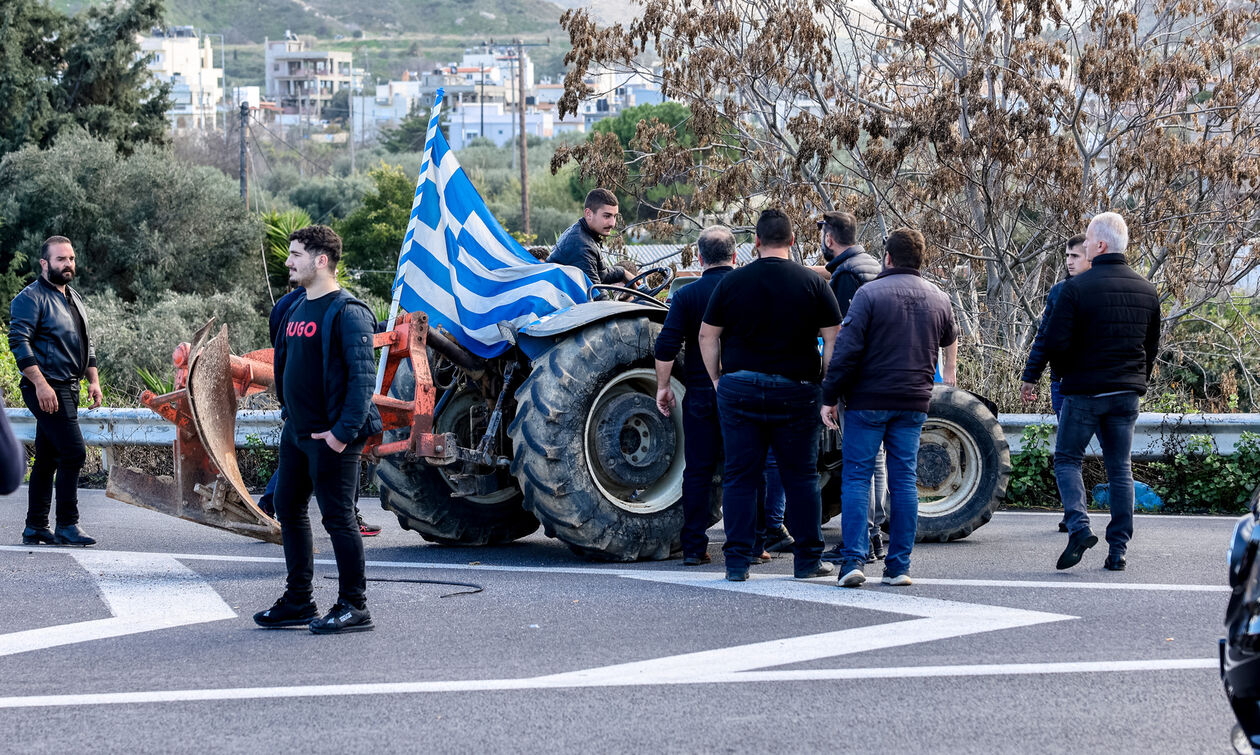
(1104, 331)
(43, 331)
(849, 270)
(580, 247)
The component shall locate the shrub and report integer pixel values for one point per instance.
(1198, 479)
(132, 337)
(141, 224)
(1032, 470)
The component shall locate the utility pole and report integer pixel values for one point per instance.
(520, 69)
(350, 103)
(244, 175)
(481, 98)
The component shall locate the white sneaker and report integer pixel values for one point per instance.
(852, 578)
(901, 580)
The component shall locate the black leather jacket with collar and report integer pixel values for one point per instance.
(43, 332)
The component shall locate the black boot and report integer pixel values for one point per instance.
(73, 534)
(38, 536)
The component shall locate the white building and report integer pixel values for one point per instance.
(505, 68)
(179, 57)
(302, 80)
(500, 127)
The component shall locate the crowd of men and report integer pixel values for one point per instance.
(764, 388)
(759, 390)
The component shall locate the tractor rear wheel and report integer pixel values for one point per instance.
(599, 466)
(421, 494)
(963, 469)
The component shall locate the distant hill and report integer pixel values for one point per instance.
(243, 21)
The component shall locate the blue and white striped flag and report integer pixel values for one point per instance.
(460, 266)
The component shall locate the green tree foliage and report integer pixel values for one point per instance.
(372, 235)
(625, 125)
(142, 224)
(278, 226)
(59, 71)
(408, 135)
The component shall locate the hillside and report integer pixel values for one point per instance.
(245, 21)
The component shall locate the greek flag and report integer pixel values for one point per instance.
(458, 264)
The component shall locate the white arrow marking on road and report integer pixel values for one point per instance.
(940, 619)
(144, 592)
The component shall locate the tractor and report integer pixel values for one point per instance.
(561, 430)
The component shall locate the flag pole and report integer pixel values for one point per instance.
(402, 249)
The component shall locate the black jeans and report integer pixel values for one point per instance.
(310, 466)
(59, 453)
(1111, 418)
(702, 449)
(761, 412)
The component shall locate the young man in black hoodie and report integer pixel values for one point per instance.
(325, 375)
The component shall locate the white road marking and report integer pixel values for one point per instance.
(938, 620)
(144, 592)
(667, 574)
(536, 683)
(155, 591)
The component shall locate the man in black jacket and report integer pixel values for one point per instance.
(325, 375)
(850, 267)
(582, 245)
(1102, 339)
(1037, 358)
(883, 367)
(49, 338)
(702, 434)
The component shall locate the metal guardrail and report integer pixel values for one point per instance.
(141, 427)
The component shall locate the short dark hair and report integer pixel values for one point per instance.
(320, 239)
(906, 247)
(49, 243)
(774, 228)
(598, 198)
(716, 245)
(1076, 240)
(842, 226)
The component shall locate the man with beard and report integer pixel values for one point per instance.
(582, 245)
(325, 375)
(48, 336)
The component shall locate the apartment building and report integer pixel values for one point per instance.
(181, 57)
(302, 80)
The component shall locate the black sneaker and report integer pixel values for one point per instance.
(779, 540)
(343, 617)
(286, 613)
(1078, 543)
(1114, 562)
(1062, 525)
(878, 550)
(834, 555)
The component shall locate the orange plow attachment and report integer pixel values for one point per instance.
(209, 382)
(207, 487)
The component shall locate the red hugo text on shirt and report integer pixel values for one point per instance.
(301, 330)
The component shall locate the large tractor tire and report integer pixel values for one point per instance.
(600, 467)
(420, 494)
(964, 466)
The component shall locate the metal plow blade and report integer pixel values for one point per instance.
(207, 487)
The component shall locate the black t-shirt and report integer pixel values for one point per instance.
(770, 312)
(304, 366)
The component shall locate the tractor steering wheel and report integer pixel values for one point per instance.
(665, 271)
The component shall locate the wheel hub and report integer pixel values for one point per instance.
(633, 442)
(934, 465)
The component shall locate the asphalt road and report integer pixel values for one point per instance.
(127, 648)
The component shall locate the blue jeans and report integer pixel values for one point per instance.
(761, 412)
(1111, 418)
(864, 430)
(702, 449)
(1056, 397)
